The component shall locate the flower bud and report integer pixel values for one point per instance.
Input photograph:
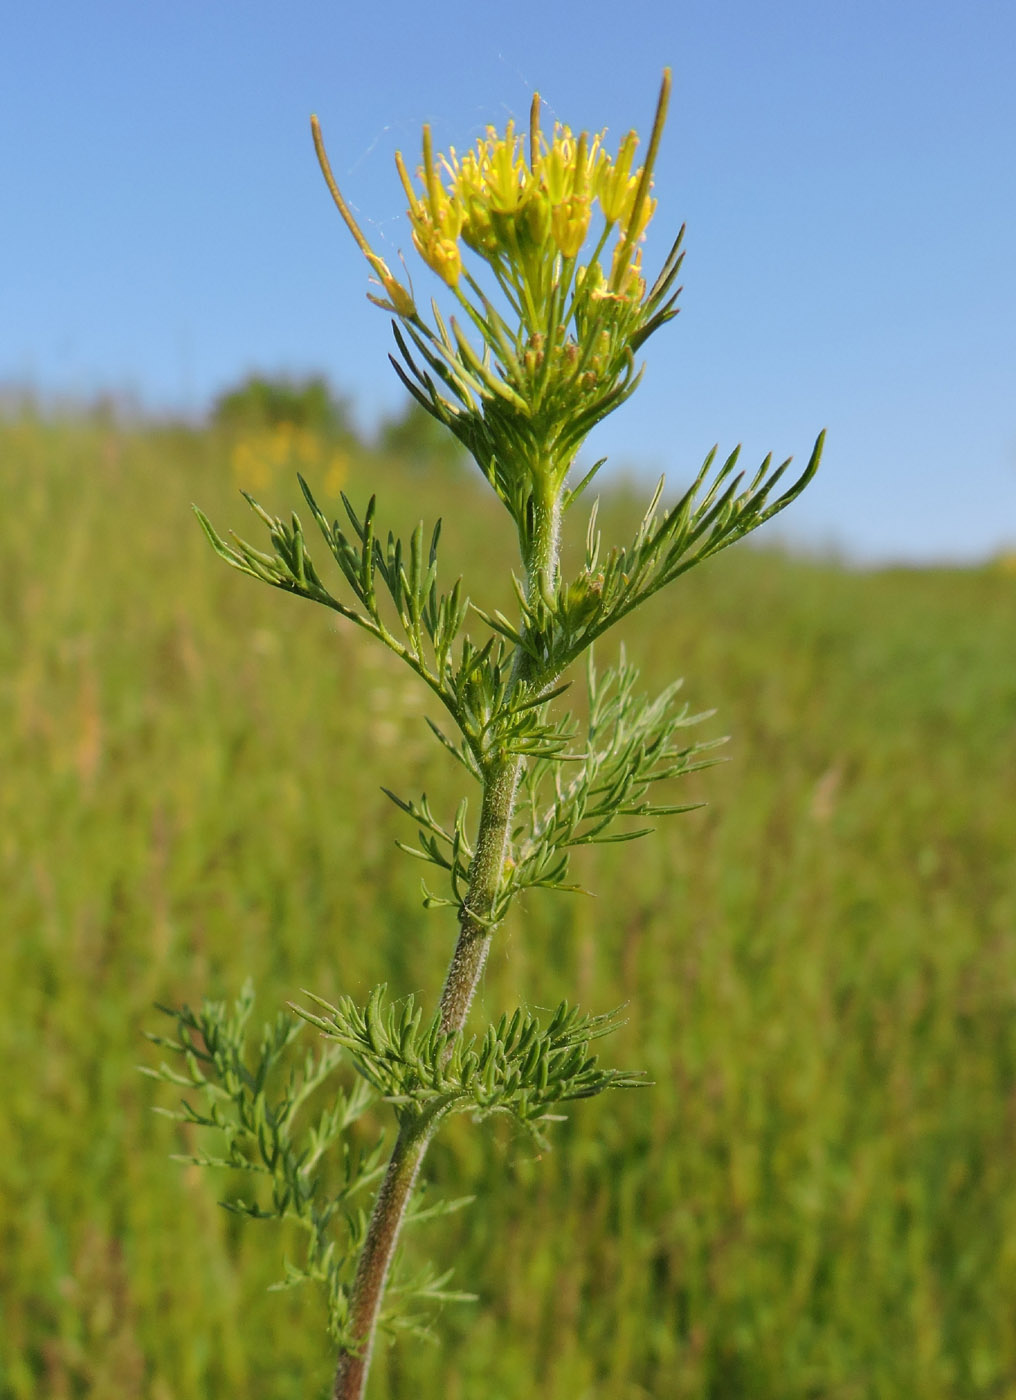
(401, 301)
(535, 220)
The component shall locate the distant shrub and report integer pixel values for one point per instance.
(415, 436)
(259, 404)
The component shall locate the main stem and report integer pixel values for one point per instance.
(476, 929)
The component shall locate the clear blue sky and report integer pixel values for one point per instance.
(847, 172)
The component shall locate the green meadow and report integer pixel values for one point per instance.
(816, 1200)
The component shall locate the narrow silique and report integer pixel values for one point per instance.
(537, 238)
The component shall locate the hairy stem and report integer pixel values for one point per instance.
(475, 922)
(376, 1257)
(476, 929)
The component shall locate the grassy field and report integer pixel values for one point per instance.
(816, 1201)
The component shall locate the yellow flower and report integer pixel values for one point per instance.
(626, 281)
(503, 170)
(570, 224)
(636, 219)
(436, 218)
(526, 207)
(615, 185)
(441, 254)
(557, 165)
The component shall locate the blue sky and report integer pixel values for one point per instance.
(847, 173)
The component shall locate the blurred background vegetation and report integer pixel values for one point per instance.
(817, 1198)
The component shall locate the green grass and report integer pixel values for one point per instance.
(816, 1201)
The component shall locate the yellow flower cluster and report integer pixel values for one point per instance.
(522, 204)
(518, 212)
(258, 458)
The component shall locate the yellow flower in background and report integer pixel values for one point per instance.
(337, 472)
(258, 458)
